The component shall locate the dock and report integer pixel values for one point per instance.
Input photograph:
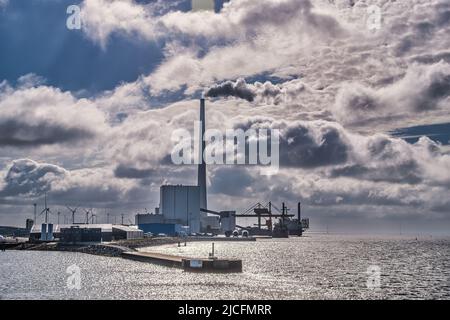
(217, 239)
(186, 263)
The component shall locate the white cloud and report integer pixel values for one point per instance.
(101, 18)
(26, 179)
(424, 88)
(33, 116)
(245, 18)
(291, 31)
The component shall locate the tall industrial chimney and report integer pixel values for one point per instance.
(202, 165)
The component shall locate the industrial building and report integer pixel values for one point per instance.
(180, 211)
(228, 221)
(182, 205)
(76, 233)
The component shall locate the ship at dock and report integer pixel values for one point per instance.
(274, 222)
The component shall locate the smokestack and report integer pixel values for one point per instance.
(202, 166)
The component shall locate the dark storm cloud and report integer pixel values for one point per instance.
(389, 160)
(19, 133)
(443, 16)
(238, 89)
(306, 144)
(261, 92)
(88, 195)
(422, 89)
(307, 147)
(393, 160)
(420, 31)
(431, 58)
(327, 147)
(33, 115)
(122, 171)
(407, 172)
(27, 177)
(231, 181)
(437, 90)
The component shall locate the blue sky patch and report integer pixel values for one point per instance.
(436, 132)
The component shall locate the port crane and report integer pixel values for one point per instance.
(261, 211)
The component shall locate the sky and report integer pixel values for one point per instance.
(359, 89)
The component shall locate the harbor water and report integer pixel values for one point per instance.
(312, 267)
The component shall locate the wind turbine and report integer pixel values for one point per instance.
(59, 213)
(87, 215)
(73, 211)
(92, 217)
(46, 209)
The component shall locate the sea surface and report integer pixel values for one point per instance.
(312, 267)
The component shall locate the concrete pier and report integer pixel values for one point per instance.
(186, 263)
(212, 265)
(217, 239)
(156, 258)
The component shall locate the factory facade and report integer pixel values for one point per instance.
(83, 233)
(179, 213)
(182, 204)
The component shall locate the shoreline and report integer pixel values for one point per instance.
(110, 249)
(116, 248)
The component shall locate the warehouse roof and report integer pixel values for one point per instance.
(58, 227)
(126, 228)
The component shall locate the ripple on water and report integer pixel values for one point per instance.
(313, 267)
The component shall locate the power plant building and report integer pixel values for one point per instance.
(181, 204)
(179, 211)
